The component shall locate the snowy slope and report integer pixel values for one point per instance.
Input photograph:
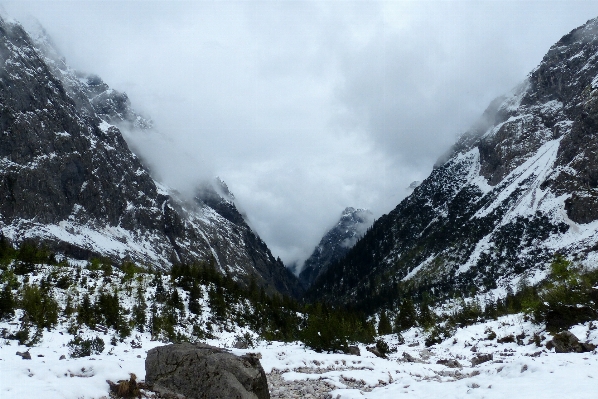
(520, 370)
(294, 371)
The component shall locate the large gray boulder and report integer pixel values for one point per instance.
(199, 371)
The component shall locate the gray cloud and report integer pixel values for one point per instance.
(304, 108)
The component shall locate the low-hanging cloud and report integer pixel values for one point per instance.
(304, 108)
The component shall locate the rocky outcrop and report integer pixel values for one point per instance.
(69, 179)
(518, 187)
(565, 342)
(204, 372)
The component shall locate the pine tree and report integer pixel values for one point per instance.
(68, 307)
(384, 326)
(195, 293)
(426, 318)
(155, 321)
(86, 314)
(406, 317)
(139, 317)
(40, 308)
(7, 303)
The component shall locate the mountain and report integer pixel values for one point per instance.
(518, 187)
(70, 181)
(336, 243)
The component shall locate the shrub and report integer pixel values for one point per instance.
(382, 347)
(566, 297)
(40, 308)
(438, 334)
(79, 347)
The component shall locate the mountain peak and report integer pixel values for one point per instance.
(351, 226)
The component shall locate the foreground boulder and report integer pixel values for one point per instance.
(199, 371)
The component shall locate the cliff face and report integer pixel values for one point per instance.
(68, 178)
(518, 187)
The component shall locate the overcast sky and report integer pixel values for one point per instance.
(305, 108)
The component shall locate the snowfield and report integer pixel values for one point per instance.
(516, 371)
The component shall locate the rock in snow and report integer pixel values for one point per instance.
(203, 371)
(566, 341)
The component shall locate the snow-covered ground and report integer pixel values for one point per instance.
(516, 371)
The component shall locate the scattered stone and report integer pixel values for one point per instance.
(481, 358)
(204, 371)
(375, 351)
(408, 358)
(566, 342)
(535, 354)
(101, 329)
(62, 357)
(24, 355)
(451, 363)
(524, 368)
(353, 350)
(587, 347)
(303, 389)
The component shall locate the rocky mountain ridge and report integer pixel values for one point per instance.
(517, 188)
(70, 181)
(336, 243)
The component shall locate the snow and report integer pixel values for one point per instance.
(417, 268)
(537, 168)
(104, 126)
(512, 372)
(523, 370)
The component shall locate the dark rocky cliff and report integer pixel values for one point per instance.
(68, 178)
(517, 188)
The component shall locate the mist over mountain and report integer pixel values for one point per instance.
(303, 108)
(70, 181)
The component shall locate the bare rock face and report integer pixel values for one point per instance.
(202, 371)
